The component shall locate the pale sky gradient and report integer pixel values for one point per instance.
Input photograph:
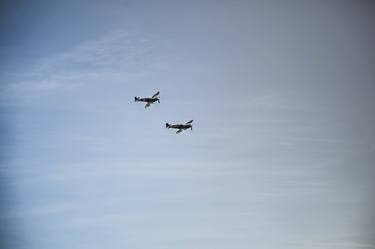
(282, 151)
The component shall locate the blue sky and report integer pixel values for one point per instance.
(281, 155)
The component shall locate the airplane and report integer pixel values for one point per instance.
(148, 101)
(180, 127)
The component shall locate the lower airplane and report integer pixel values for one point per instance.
(148, 101)
(180, 127)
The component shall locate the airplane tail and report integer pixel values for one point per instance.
(167, 125)
(136, 99)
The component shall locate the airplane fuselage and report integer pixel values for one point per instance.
(180, 126)
(148, 100)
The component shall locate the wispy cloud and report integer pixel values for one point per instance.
(38, 211)
(117, 56)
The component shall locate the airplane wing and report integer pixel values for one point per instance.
(179, 131)
(191, 121)
(147, 105)
(155, 95)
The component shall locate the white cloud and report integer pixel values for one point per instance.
(117, 56)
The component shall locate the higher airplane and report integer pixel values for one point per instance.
(149, 101)
(180, 127)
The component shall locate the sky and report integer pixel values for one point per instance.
(281, 154)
